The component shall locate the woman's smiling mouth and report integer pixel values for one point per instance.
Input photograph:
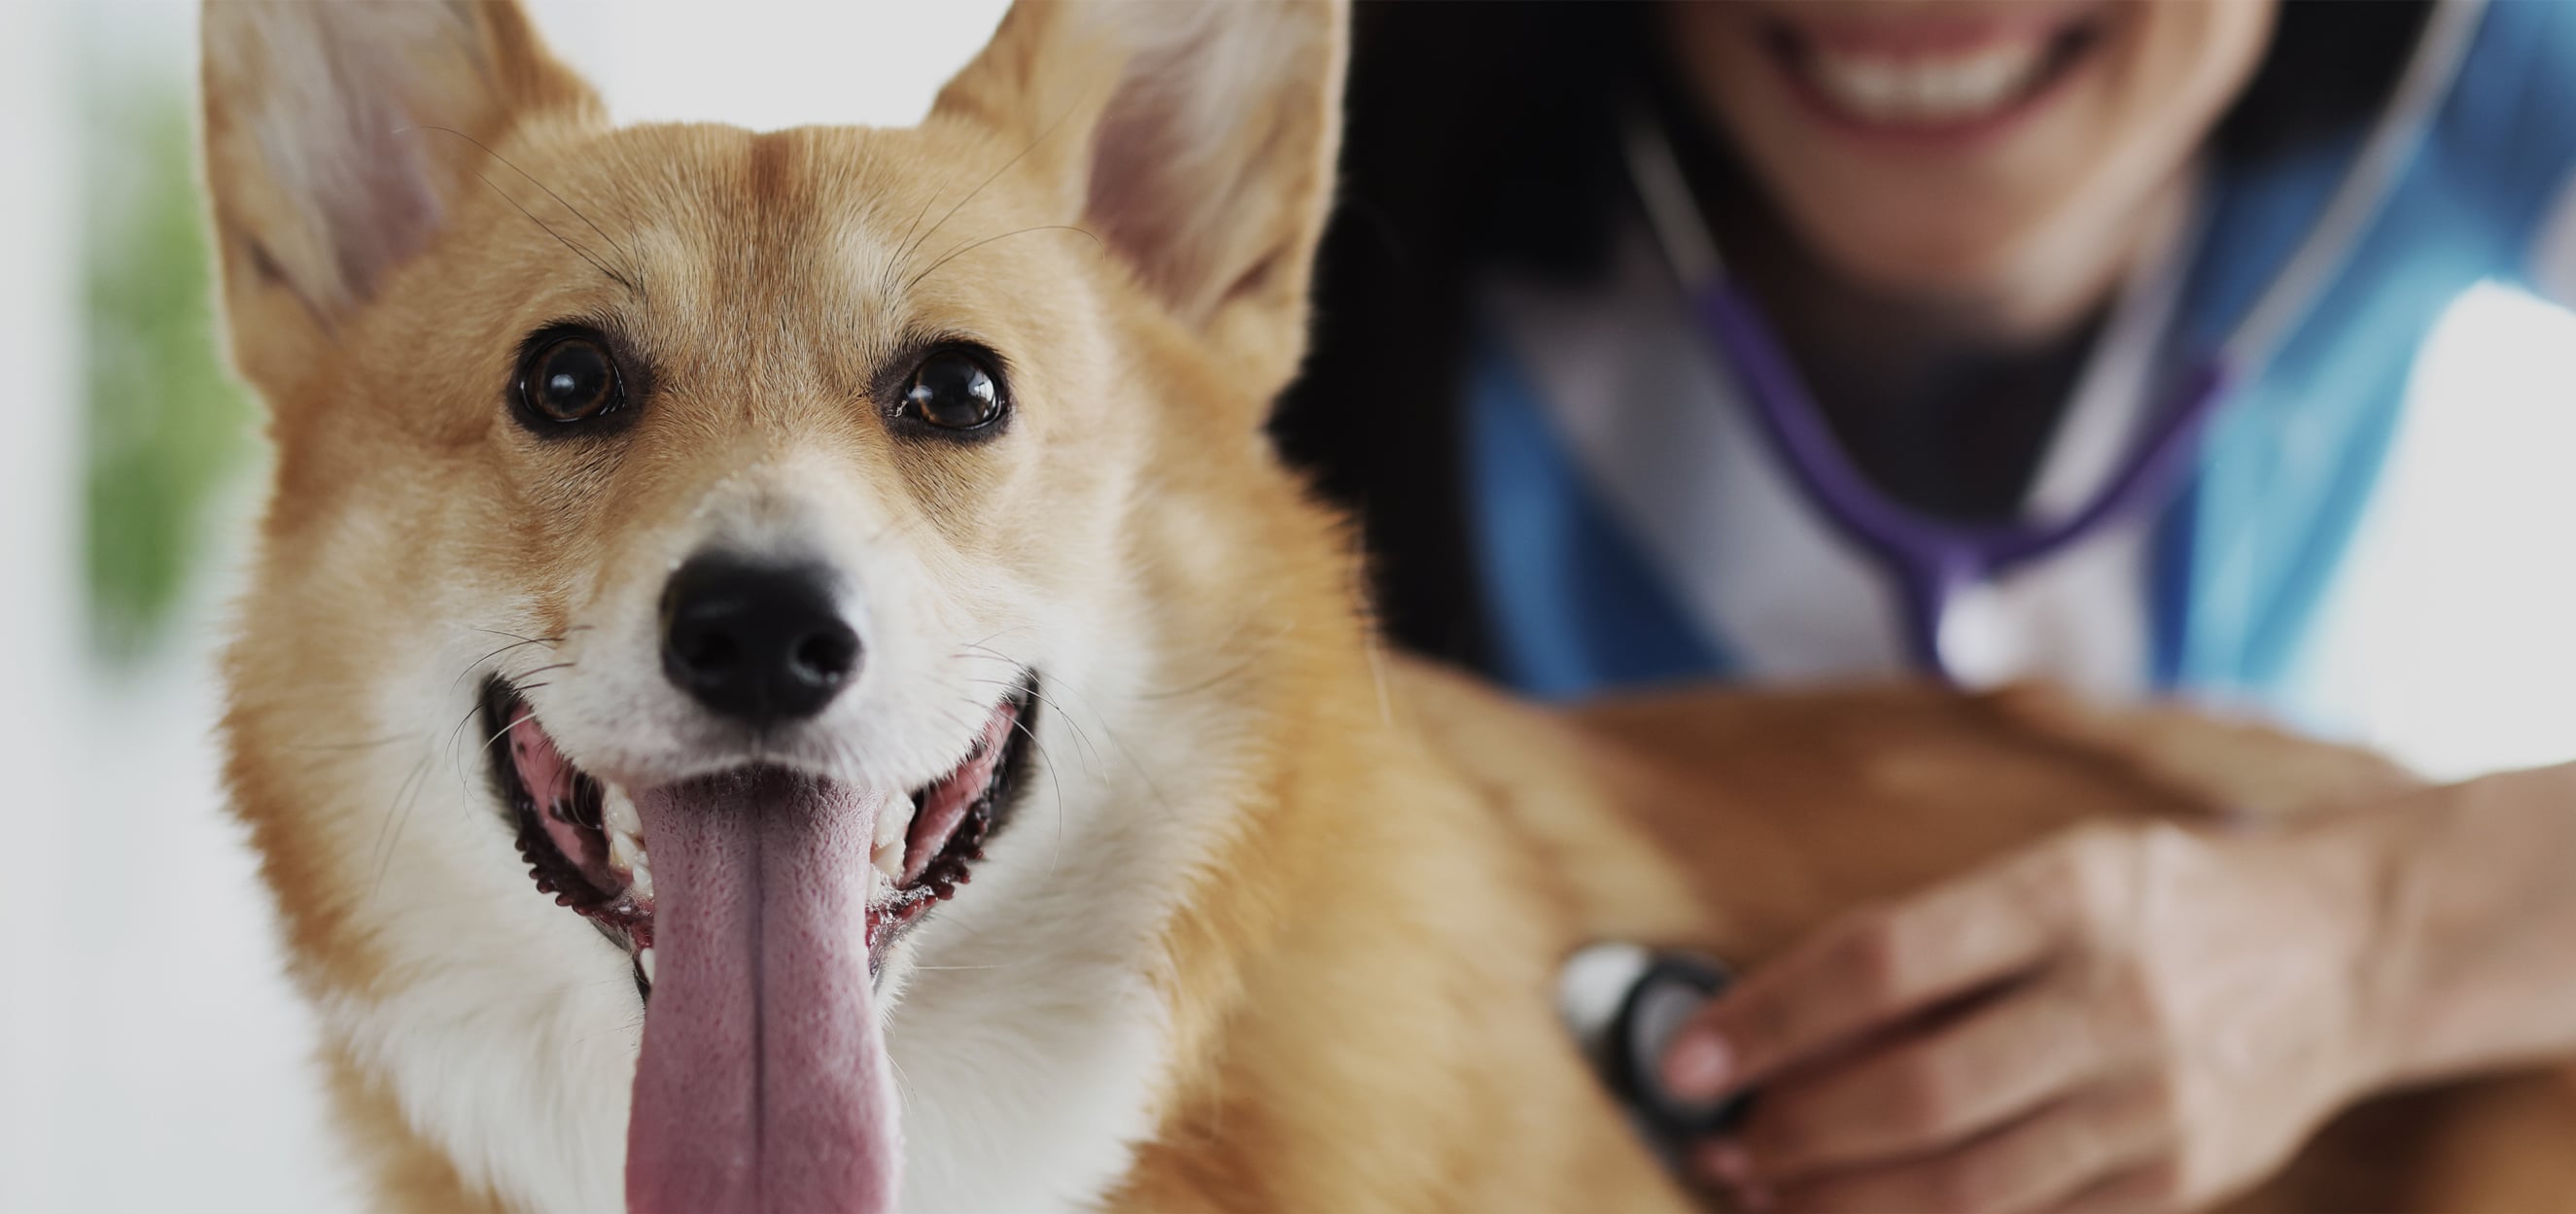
(1926, 78)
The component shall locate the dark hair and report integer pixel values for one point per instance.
(1484, 136)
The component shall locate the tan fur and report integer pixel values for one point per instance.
(410, 1177)
(1359, 979)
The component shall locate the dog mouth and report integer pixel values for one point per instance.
(584, 841)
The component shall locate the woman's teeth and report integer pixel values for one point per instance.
(1922, 88)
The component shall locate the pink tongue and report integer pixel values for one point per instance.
(764, 1083)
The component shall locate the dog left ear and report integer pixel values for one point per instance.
(1196, 140)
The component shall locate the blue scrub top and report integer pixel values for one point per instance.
(2250, 549)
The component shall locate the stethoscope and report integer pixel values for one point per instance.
(1934, 562)
(1622, 1004)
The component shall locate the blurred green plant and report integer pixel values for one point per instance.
(167, 427)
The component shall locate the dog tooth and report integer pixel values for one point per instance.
(644, 961)
(625, 830)
(639, 875)
(893, 826)
(626, 854)
(617, 811)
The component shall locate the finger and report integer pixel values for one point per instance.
(1919, 1093)
(2066, 1149)
(1721, 1163)
(2147, 1189)
(1866, 971)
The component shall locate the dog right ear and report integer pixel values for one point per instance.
(337, 139)
(1194, 141)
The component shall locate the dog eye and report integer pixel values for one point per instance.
(953, 391)
(570, 379)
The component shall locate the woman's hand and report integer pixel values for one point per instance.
(2124, 1017)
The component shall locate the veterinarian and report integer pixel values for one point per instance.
(1797, 341)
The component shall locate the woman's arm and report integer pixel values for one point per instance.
(2476, 907)
(2148, 1015)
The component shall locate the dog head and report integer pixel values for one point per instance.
(695, 554)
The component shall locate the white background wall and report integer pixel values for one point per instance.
(37, 679)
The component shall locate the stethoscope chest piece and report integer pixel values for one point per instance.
(1623, 1005)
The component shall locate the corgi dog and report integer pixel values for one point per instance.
(780, 673)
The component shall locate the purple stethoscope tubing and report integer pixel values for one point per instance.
(1933, 561)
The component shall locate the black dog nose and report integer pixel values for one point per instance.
(758, 642)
